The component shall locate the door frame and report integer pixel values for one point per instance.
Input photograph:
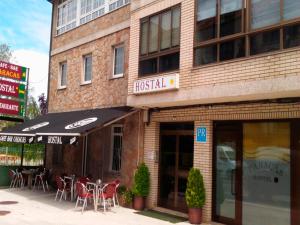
(294, 170)
(237, 126)
(176, 133)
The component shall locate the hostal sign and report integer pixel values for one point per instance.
(156, 84)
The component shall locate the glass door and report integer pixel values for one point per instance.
(266, 173)
(227, 173)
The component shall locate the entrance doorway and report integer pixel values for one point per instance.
(253, 168)
(176, 159)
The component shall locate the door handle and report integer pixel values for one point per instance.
(233, 182)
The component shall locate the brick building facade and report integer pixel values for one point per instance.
(226, 96)
(85, 39)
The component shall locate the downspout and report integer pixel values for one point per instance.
(48, 90)
(139, 129)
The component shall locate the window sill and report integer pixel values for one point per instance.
(62, 88)
(86, 83)
(117, 76)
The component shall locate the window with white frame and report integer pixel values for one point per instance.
(63, 75)
(67, 12)
(117, 146)
(118, 70)
(87, 68)
(73, 13)
(91, 9)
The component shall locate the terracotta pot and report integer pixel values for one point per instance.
(195, 215)
(139, 203)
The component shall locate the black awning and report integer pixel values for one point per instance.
(62, 128)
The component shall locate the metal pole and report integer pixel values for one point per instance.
(27, 87)
(22, 155)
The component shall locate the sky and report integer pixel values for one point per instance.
(25, 27)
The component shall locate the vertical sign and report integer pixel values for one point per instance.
(13, 90)
(201, 134)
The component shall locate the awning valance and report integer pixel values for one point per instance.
(63, 127)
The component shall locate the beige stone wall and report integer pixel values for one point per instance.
(204, 116)
(103, 90)
(266, 76)
(97, 37)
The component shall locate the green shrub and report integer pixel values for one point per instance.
(141, 181)
(121, 189)
(195, 191)
(128, 197)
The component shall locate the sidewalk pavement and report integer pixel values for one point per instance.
(27, 207)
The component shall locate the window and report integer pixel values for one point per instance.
(63, 75)
(73, 13)
(66, 16)
(160, 40)
(118, 62)
(87, 68)
(117, 146)
(91, 9)
(57, 155)
(223, 31)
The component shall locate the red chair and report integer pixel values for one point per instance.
(107, 194)
(62, 188)
(83, 180)
(13, 178)
(83, 194)
(117, 182)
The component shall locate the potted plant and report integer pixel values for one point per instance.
(126, 196)
(195, 196)
(141, 186)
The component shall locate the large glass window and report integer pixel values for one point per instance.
(230, 29)
(291, 9)
(264, 13)
(160, 39)
(266, 167)
(73, 13)
(66, 16)
(206, 20)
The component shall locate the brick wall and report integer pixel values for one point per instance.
(204, 116)
(103, 91)
(266, 76)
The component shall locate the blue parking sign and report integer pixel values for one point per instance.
(201, 135)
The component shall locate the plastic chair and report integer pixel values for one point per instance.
(107, 194)
(19, 179)
(40, 180)
(13, 178)
(83, 193)
(61, 188)
(117, 182)
(83, 180)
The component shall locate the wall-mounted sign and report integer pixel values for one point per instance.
(16, 139)
(155, 84)
(57, 140)
(12, 71)
(10, 107)
(12, 89)
(201, 135)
